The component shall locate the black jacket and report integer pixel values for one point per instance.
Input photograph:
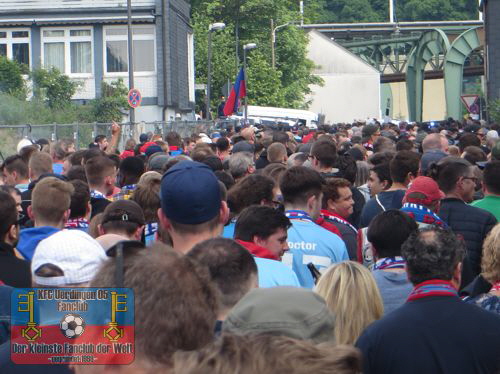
(14, 272)
(473, 224)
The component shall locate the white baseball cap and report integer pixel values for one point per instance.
(75, 252)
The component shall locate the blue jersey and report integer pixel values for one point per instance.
(273, 273)
(229, 230)
(310, 243)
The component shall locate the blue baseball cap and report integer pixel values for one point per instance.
(190, 193)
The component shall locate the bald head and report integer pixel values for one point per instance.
(249, 134)
(435, 142)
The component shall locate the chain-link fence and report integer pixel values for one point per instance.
(84, 133)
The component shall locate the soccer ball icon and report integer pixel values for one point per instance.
(72, 326)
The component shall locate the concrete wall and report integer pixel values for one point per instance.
(351, 87)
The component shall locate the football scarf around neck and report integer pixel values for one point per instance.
(434, 287)
(496, 287)
(337, 218)
(422, 214)
(97, 195)
(299, 215)
(390, 263)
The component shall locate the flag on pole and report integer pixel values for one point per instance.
(237, 92)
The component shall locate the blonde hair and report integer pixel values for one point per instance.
(351, 293)
(265, 353)
(490, 262)
(51, 198)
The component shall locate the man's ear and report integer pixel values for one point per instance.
(311, 201)
(164, 221)
(138, 233)
(66, 215)
(329, 204)
(13, 232)
(30, 213)
(457, 276)
(224, 212)
(100, 230)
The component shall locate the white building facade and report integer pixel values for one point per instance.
(87, 40)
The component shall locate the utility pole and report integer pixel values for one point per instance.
(273, 58)
(130, 55)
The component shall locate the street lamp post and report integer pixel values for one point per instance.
(246, 48)
(130, 56)
(273, 40)
(213, 27)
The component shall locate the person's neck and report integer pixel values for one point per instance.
(42, 223)
(101, 189)
(325, 169)
(23, 181)
(297, 207)
(397, 186)
(453, 195)
(183, 243)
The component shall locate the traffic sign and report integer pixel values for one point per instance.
(470, 102)
(134, 98)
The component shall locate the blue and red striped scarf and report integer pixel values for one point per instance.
(422, 214)
(433, 287)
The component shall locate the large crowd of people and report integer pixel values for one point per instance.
(353, 248)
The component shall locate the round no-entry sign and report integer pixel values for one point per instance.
(134, 98)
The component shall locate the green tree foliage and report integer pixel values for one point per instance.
(52, 87)
(250, 22)
(11, 80)
(350, 11)
(113, 101)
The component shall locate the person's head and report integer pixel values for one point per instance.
(66, 258)
(276, 152)
(455, 176)
(491, 178)
(404, 167)
(379, 179)
(28, 151)
(467, 140)
(15, 170)
(130, 144)
(60, 149)
(362, 174)
(433, 253)
(474, 154)
(40, 163)
(223, 146)
(381, 158)
(241, 164)
(352, 295)
(272, 236)
(80, 200)
(405, 145)
(337, 196)
(147, 195)
(123, 217)
(249, 134)
(383, 144)
(297, 159)
(301, 188)
(323, 154)
(9, 228)
(287, 311)
(257, 354)
(101, 174)
(424, 191)
(16, 195)
(50, 202)
(102, 142)
(165, 283)
(435, 142)
(232, 269)
(252, 190)
(173, 139)
(388, 231)
(490, 262)
(191, 204)
(130, 171)
(370, 133)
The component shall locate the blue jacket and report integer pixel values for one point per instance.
(311, 243)
(273, 273)
(29, 239)
(386, 199)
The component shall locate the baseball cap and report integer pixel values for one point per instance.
(125, 211)
(75, 252)
(152, 149)
(429, 157)
(425, 186)
(243, 146)
(158, 161)
(289, 311)
(190, 193)
(492, 134)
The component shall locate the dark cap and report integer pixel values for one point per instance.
(152, 149)
(124, 211)
(190, 193)
(143, 138)
(243, 146)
